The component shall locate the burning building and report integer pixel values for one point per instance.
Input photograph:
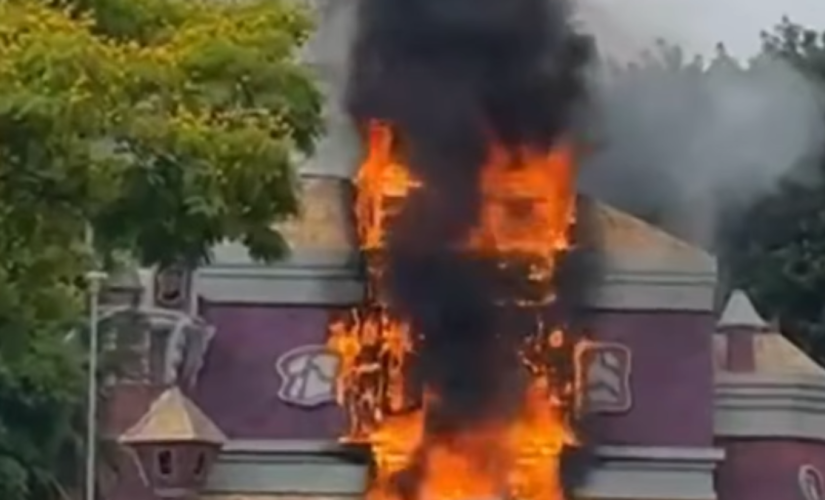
(522, 234)
(459, 373)
(684, 403)
(455, 322)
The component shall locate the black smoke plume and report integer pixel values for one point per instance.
(451, 76)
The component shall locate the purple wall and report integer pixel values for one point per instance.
(770, 470)
(671, 376)
(240, 383)
(671, 379)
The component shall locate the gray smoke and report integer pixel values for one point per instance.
(328, 52)
(682, 142)
(674, 148)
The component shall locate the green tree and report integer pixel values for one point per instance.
(776, 249)
(164, 125)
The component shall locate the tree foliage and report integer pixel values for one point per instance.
(777, 249)
(166, 126)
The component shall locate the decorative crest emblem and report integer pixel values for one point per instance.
(606, 370)
(811, 483)
(307, 376)
(171, 285)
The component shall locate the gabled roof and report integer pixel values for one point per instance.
(630, 244)
(173, 417)
(325, 216)
(776, 354)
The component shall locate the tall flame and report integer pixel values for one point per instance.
(528, 209)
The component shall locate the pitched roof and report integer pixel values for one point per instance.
(629, 244)
(775, 354)
(324, 218)
(173, 417)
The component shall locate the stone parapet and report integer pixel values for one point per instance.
(278, 469)
(770, 405)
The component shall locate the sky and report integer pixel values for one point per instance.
(624, 28)
(696, 25)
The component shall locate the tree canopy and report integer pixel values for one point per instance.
(776, 249)
(166, 126)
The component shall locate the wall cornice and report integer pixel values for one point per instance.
(316, 277)
(313, 278)
(323, 468)
(645, 268)
(628, 290)
(770, 406)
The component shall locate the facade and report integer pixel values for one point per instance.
(689, 405)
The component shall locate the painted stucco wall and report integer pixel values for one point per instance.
(770, 470)
(670, 376)
(239, 384)
(671, 379)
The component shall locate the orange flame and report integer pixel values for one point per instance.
(529, 205)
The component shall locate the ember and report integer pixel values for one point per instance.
(459, 371)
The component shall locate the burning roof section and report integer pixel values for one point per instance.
(627, 243)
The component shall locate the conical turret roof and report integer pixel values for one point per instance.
(739, 312)
(173, 417)
(773, 353)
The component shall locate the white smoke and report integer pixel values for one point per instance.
(679, 143)
(678, 146)
(328, 53)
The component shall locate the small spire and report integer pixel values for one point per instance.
(739, 312)
(173, 418)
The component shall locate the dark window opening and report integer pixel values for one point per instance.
(200, 464)
(516, 209)
(165, 463)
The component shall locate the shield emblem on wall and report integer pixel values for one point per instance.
(307, 376)
(810, 483)
(605, 371)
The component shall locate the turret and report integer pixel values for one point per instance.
(739, 323)
(174, 445)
